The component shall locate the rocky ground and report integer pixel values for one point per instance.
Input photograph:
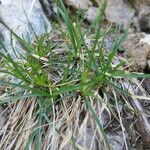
(136, 50)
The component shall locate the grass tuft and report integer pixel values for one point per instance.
(59, 84)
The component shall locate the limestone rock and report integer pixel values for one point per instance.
(17, 14)
(117, 11)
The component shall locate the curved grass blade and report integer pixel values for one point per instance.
(101, 130)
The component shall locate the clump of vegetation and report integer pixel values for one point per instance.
(61, 84)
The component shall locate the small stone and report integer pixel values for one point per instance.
(78, 4)
(91, 14)
(146, 39)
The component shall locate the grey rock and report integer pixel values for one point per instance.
(19, 16)
(142, 9)
(91, 14)
(86, 5)
(117, 11)
(144, 18)
(146, 39)
(120, 12)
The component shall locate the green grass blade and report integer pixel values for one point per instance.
(95, 116)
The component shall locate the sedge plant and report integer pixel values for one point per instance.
(61, 70)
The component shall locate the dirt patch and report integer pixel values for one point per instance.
(136, 51)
